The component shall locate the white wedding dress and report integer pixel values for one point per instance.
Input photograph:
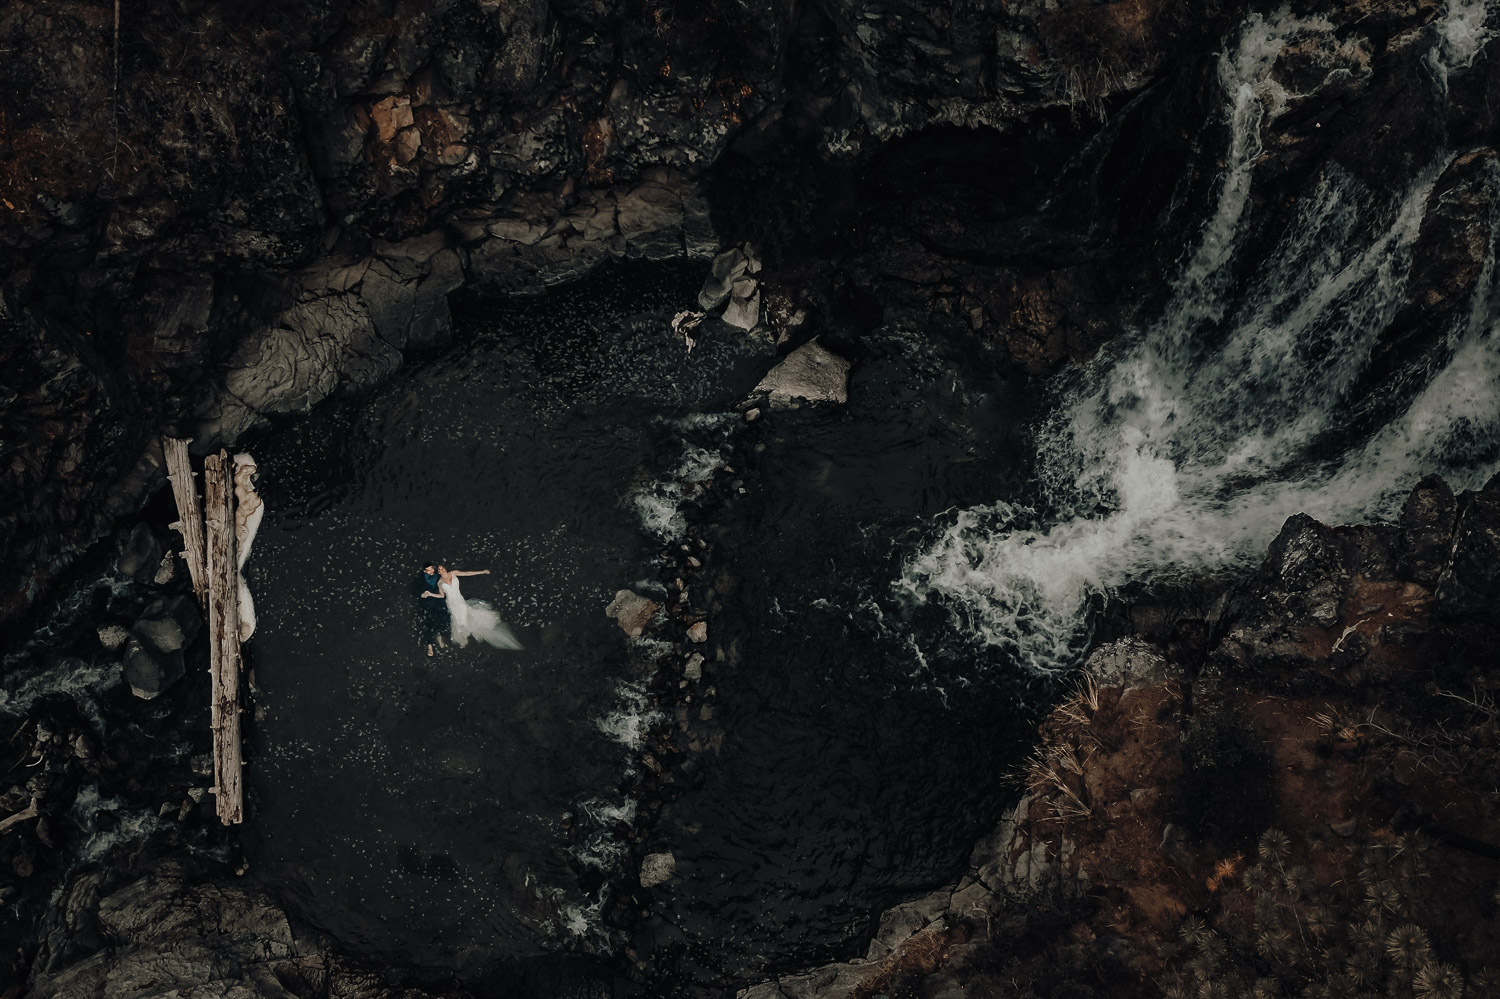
(475, 619)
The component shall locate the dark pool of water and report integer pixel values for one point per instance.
(467, 809)
(866, 745)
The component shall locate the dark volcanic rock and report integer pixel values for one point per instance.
(150, 672)
(216, 216)
(140, 555)
(169, 624)
(1427, 522)
(1470, 583)
(1299, 586)
(1304, 571)
(172, 933)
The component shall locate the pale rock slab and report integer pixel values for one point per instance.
(631, 611)
(811, 373)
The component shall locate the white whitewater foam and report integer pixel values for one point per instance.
(84, 682)
(1459, 36)
(132, 825)
(1187, 450)
(629, 723)
(658, 504)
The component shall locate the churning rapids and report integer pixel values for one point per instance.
(1184, 450)
(905, 580)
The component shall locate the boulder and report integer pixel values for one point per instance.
(168, 570)
(811, 373)
(744, 309)
(149, 673)
(698, 633)
(1304, 572)
(1471, 582)
(631, 611)
(112, 636)
(169, 624)
(694, 668)
(727, 268)
(1130, 662)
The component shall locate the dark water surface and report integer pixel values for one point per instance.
(456, 811)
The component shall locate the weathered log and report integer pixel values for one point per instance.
(224, 634)
(189, 516)
(29, 812)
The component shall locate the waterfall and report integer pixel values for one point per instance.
(1185, 449)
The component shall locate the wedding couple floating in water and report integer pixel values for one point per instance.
(442, 608)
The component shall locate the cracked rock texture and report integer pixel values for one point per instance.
(173, 934)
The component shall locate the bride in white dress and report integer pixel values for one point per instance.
(472, 618)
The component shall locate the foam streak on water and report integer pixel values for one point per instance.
(1186, 451)
(1458, 38)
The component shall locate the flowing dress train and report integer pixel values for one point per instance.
(475, 619)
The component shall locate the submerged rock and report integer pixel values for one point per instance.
(171, 933)
(149, 673)
(169, 624)
(140, 555)
(113, 636)
(811, 373)
(657, 868)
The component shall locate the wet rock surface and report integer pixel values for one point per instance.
(179, 930)
(810, 374)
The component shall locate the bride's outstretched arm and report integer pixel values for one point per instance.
(476, 572)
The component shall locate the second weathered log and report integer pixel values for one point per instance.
(224, 634)
(189, 518)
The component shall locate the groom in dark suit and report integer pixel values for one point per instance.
(432, 610)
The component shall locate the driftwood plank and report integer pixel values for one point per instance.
(189, 516)
(224, 634)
